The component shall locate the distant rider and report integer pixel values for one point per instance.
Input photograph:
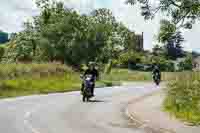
(95, 74)
(156, 70)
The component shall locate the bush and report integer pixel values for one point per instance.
(128, 58)
(187, 64)
(183, 98)
(165, 65)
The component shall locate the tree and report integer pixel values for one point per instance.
(23, 47)
(173, 46)
(182, 13)
(158, 50)
(103, 16)
(178, 38)
(172, 40)
(167, 30)
(110, 34)
(64, 35)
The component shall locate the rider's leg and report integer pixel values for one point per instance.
(93, 89)
(82, 87)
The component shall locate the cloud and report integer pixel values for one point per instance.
(83, 6)
(13, 13)
(192, 37)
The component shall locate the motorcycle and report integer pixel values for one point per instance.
(87, 90)
(156, 78)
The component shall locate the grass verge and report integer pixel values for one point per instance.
(183, 97)
(127, 75)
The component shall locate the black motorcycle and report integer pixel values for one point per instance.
(156, 78)
(87, 90)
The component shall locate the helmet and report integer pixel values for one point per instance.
(156, 67)
(91, 64)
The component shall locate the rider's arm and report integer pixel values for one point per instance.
(153, 71)
(85, 73)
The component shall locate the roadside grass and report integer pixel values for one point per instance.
(183, 97)
(137, 76)
(120, 75)
(27, 86)
(28, 79)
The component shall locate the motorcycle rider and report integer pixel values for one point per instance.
(95, 74)
(156, 70)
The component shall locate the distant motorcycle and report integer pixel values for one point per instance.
(156, 78)
(87, 90)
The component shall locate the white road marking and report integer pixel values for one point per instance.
(27, 116)
(28, 125)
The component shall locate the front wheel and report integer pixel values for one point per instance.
(157, 82)
(88, 99)
(83, 98)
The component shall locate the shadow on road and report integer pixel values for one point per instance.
(97, 101)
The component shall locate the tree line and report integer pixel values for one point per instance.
(64, 35)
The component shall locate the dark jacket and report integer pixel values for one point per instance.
(93, 72)
(157, 70)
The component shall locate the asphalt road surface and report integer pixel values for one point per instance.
(66, 113)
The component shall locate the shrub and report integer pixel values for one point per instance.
(129, 58)
(165, 65)
(187, 64)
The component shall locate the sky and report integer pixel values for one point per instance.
(14, 12)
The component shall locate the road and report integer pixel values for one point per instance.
(66, 113)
